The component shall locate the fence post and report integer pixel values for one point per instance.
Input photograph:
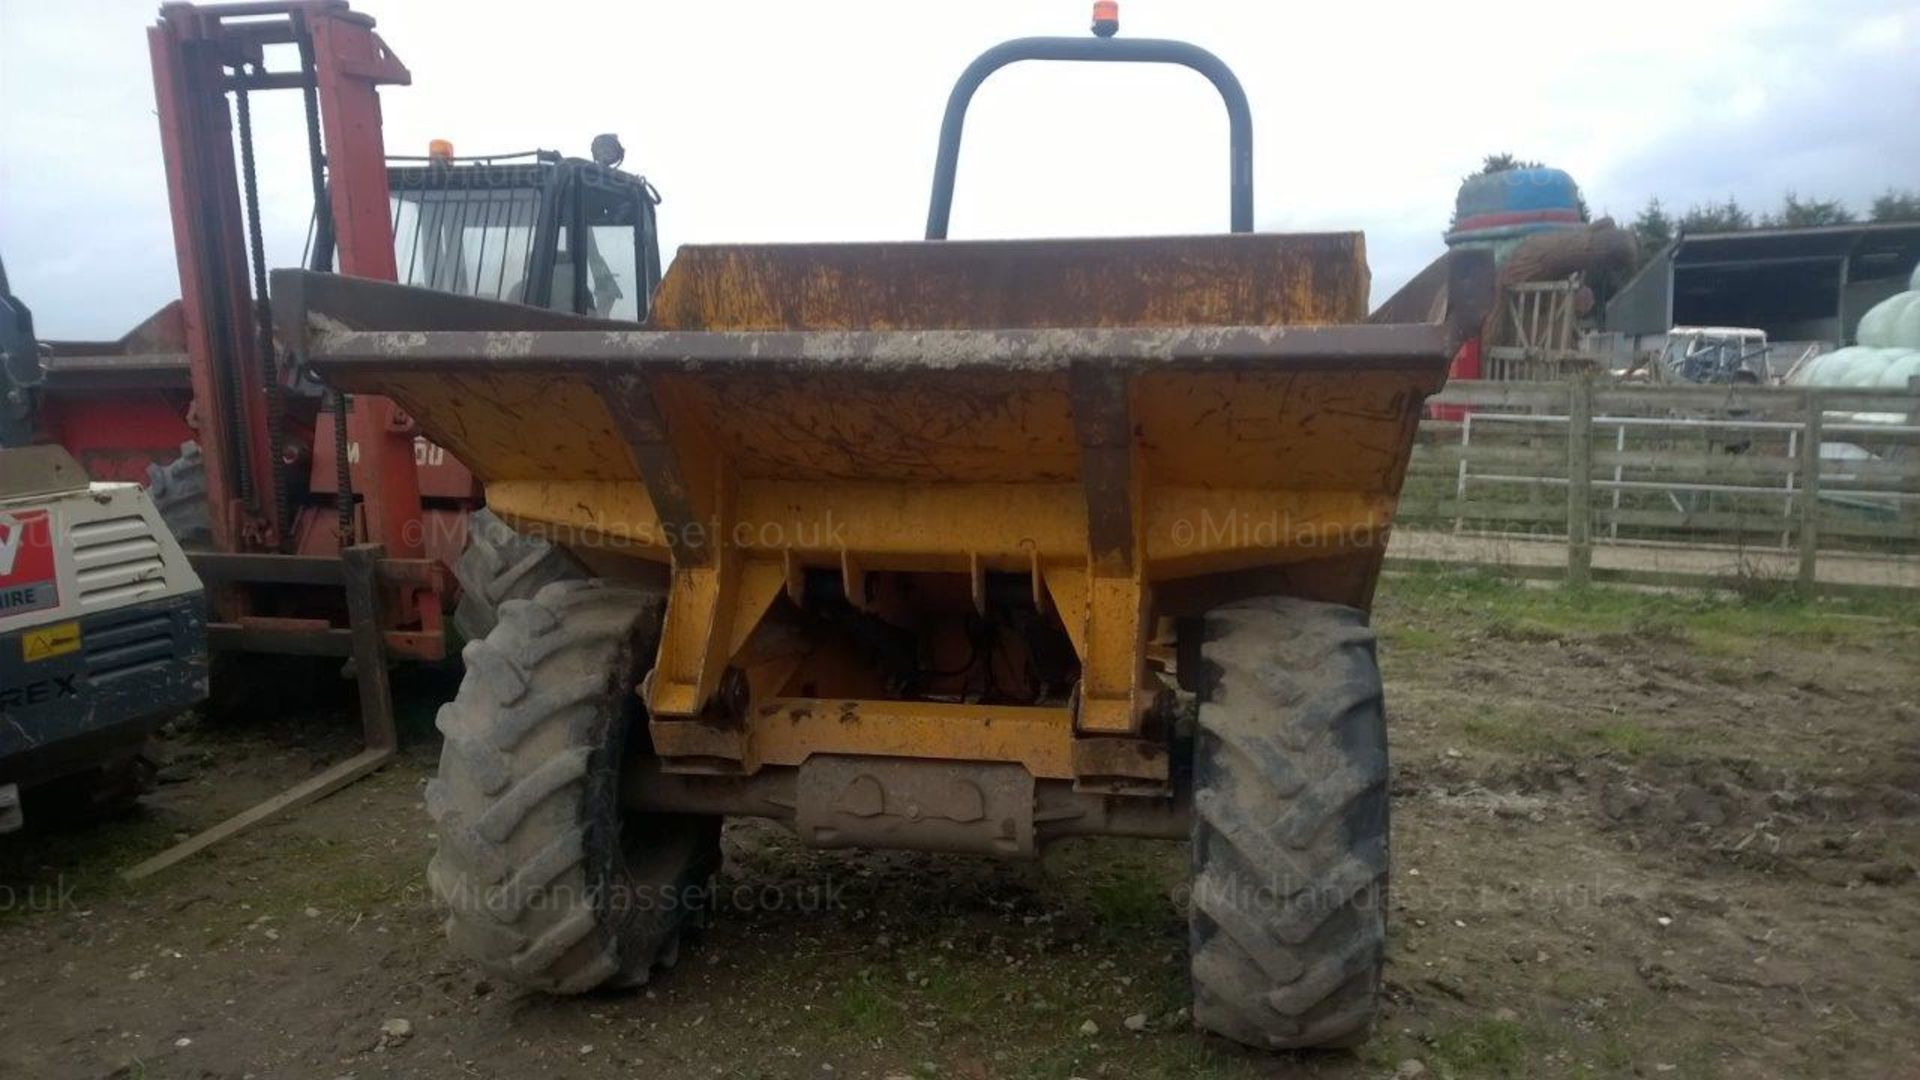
(1910, 508)
(1579, 479)
(1810, 489)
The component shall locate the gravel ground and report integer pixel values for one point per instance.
(1634, 835)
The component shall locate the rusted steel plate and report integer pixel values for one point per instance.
(1231, 280)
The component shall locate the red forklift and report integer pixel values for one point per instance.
(325, 525)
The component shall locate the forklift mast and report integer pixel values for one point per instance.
(207, 62)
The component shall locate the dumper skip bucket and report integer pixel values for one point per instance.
(1137, 426)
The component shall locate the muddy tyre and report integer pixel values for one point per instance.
(1288, 914)
(549, 884)
(179, 491)
(499, 565)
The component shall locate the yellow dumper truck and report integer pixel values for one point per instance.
(949, 545)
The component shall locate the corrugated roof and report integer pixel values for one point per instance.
(1835, 241)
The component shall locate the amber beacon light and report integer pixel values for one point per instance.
(1106, 18)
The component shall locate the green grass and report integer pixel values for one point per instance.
(868, 1008)
(924, 1003)
(1492, 726)
(1482, 1048)
(1497, 728)
(1496, 605)
(1627, 1038)
(1628, 738)
(338, 877)
(1414, 639)
(1132, 899)
(957, 993)
(75, 865)
(1125, 885)
(967, 986)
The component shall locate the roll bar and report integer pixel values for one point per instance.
(1109, 49)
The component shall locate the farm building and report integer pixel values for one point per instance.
(1808, 285)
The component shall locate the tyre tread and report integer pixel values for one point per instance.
(500, 565)
(524, 787)
(1290, 826)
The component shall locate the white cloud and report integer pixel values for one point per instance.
(816, 121)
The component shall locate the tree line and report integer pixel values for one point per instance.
(1654, 227)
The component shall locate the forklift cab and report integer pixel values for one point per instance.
(536, 228)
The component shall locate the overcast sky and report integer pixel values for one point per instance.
(817, 120)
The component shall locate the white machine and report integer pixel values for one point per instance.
(102, 629)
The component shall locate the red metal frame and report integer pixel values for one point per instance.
(350, 62)
(118, 406)
(201, 54)
(117, 441)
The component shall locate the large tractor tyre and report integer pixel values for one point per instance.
(499, 565)
(549, 883)
(1288, 912)
(179, 491)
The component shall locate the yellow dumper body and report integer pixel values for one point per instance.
(1118, 432)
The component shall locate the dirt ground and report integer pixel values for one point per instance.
(1633, 835)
